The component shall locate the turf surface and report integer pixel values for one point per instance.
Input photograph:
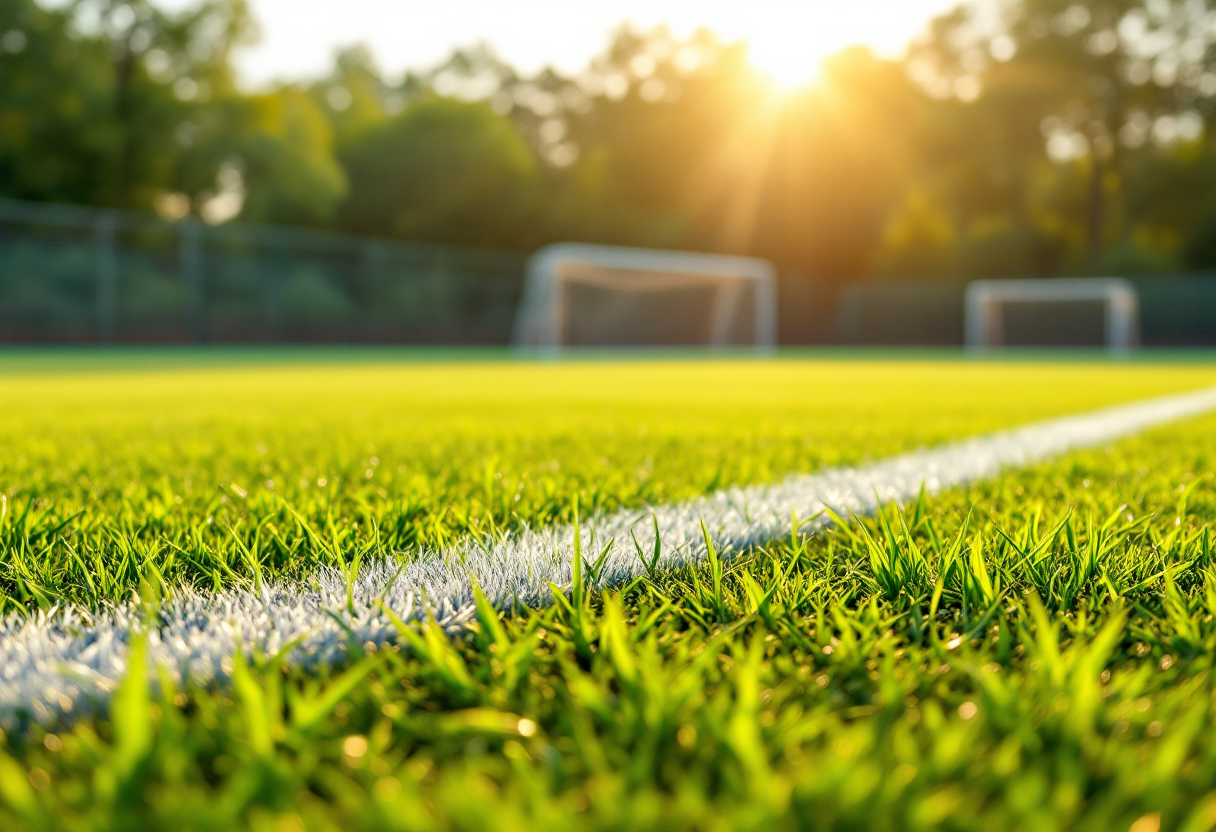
(1032, 652)
(212, 475)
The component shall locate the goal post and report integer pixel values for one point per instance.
(580, 295)
(1071, 312)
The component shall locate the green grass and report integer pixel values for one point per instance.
(210, 473)
(1032, 652)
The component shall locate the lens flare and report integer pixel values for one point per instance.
(788, 41)
(789, 59)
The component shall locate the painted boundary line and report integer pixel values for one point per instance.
(68, 660)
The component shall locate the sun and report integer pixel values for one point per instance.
(789, 58)
(788, 40)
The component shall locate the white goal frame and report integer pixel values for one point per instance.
(982, 323)
(538, 321)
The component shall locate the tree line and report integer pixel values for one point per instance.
(1015, 138)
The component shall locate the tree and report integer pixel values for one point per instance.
(443, 171)
(354, 96)
(163, 67)
(283, 146)
(839, 163)
(56, 133)
(1099, 80)
(103, 102)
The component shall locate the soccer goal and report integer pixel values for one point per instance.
(579, 295)
(1066, 312)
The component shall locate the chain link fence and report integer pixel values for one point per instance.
(84, 275)
(75, 275)
(1175, 311)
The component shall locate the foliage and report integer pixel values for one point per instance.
(1017, 137)
(50, 86)
(443, 170)
(288, 171)
(1072, 103)
(99, 97)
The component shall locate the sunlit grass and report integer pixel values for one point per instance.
(209, 473)
(1029, 652)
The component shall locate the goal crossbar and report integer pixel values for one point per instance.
(539, 321)
(982, 319)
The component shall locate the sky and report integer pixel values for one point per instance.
(787, 38)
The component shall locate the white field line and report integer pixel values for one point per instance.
(62, 662)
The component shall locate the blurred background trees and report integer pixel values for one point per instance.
(1081, 113)
(1016, 138)
(445, 171)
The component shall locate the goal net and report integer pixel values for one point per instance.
(1068, 312)
(580, 295)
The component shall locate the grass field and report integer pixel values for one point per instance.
(1031, 652)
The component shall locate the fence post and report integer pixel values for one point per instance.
(271, 265)
(105, 230)
(439, 291)
(191, 255)
(371, 257)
